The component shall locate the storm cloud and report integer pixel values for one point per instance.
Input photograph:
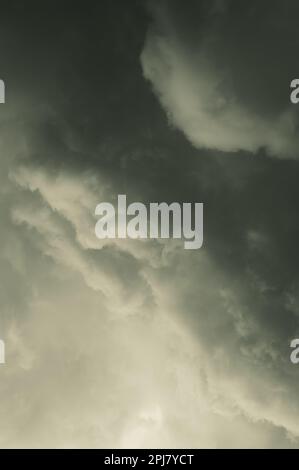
(140, 343)
(224, 78)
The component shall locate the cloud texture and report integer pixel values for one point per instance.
(141, 343)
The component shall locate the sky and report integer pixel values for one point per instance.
(140, 343)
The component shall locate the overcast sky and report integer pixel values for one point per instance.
(140, 343)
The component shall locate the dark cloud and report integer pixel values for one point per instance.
(149, 338)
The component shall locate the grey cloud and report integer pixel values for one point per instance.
(132, 344)
(219, 80)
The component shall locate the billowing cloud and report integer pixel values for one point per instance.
(209, 78)
(132, 343)
(179, 327)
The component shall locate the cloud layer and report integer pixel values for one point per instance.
(211, 77)
(141, 343)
